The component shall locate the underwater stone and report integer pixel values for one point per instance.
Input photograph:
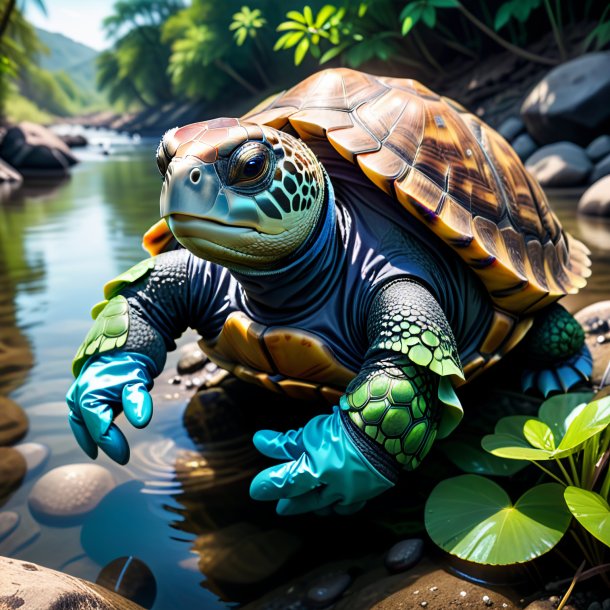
(70, 491)
(13, 421)
(12, 471)
(524, 146)
(34, 454)
(404, 555)
(328, 589)
(599, 148)
(131, 578)
(8, 522)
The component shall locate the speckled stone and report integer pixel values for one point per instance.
(70, 491)
(404, 555)
(13, 421)
(328, 589)
(8, 522)
(131, 578)
(595, 319)
(192, 359)
(34, 454)
(12, 471)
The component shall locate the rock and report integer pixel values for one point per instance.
(35, 454)
(511, 128)
(605, 381)
(328, 589)
(9, 174)
(601, 169)
(33, 149)
(595, 320)
(545, 604)
(524, 146)
(70, 491)
(191, 360)
(599, 148)
(12, 471)
(595, 201)
(560, 164)
(8, 522)
(13, 421)
(404, 555)
(571, 101)
(130, 578)
(33, 587)
(74, 141)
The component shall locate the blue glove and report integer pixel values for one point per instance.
(326, 471)
(107, 385)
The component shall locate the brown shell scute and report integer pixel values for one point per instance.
(448, 169)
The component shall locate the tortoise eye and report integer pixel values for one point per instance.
(249, 165)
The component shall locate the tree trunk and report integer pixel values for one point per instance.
(6, 16)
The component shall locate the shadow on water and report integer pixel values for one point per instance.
(181, 505)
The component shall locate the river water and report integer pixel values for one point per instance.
(187, 517)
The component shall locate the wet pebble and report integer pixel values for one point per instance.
(404, 555)
(8, 522)
(12, 471)
(595, 320)
(13, 421)
(70, 491)
(192, 359)
(131, 578)
(34, 454)
(328, 589)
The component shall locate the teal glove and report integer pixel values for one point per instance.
(107, 385)
(325, 471)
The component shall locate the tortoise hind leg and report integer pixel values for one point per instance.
(556, 353)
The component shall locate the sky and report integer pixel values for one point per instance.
(80, 20)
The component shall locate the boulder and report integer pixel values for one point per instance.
(558, 165)
(34, 149)
(599, 148)
(28, 585)
(9, 174)
(511, 128)
(601, 169)
(571, 101)
(595, 201)
(524, 146)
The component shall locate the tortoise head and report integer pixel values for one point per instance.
(239, 194)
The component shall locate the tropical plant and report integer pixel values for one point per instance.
(246, 23)
(472, 517)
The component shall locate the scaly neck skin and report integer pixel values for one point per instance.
(301, 284)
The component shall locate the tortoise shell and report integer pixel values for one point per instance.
(448, 169)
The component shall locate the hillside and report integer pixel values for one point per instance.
(75, 59)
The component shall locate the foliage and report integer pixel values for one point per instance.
(246, 22)
(423, 10)
(571, 433)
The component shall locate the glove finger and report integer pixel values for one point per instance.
(137, 405)
(280, 445)
(287, 480)
(82, 436)
(71, 398)
(114, 445)
(348, 509)
(97, 416)
(314, 501)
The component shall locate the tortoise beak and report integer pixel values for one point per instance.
(193, 188)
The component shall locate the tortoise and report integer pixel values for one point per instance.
(357, 240)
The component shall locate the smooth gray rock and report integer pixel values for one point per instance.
(601, 169)
(328, 589)
(8, 522)
(511, 128)
(560, 164)
(571, 101)
(599, 148)
(131, 578)
(192, 359)
(404, 555)
(524, 146)
(595, 321)
(595, 201)
(34, 454)
(32, 149)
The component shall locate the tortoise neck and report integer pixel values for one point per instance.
(301, 280)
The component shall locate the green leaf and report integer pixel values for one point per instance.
(300, 51)
(471, 459)
(288, 40)
(308, 14)
(240, 36)
(324, 14)
(407, 25)
(591, 511)
(296, 16)
(473, 518)
(557, 411)
(539, 435)
(290, 25)
(362, 8)
(503, 16)
(591, 420)
(333, 52)
(429, 16)
(444, 3)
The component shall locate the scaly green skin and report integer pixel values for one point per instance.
(395, 403)
(111, 316)
(555, 337)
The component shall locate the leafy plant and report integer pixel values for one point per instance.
(423, 10)
(600, 35)
(247, 22)
(472, 517)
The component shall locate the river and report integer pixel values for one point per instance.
(207, 545)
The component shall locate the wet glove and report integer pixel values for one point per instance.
(107, 385)
(326, 470)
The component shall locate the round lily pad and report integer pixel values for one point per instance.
(470, 458)
(591, 511)
(473, 518)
